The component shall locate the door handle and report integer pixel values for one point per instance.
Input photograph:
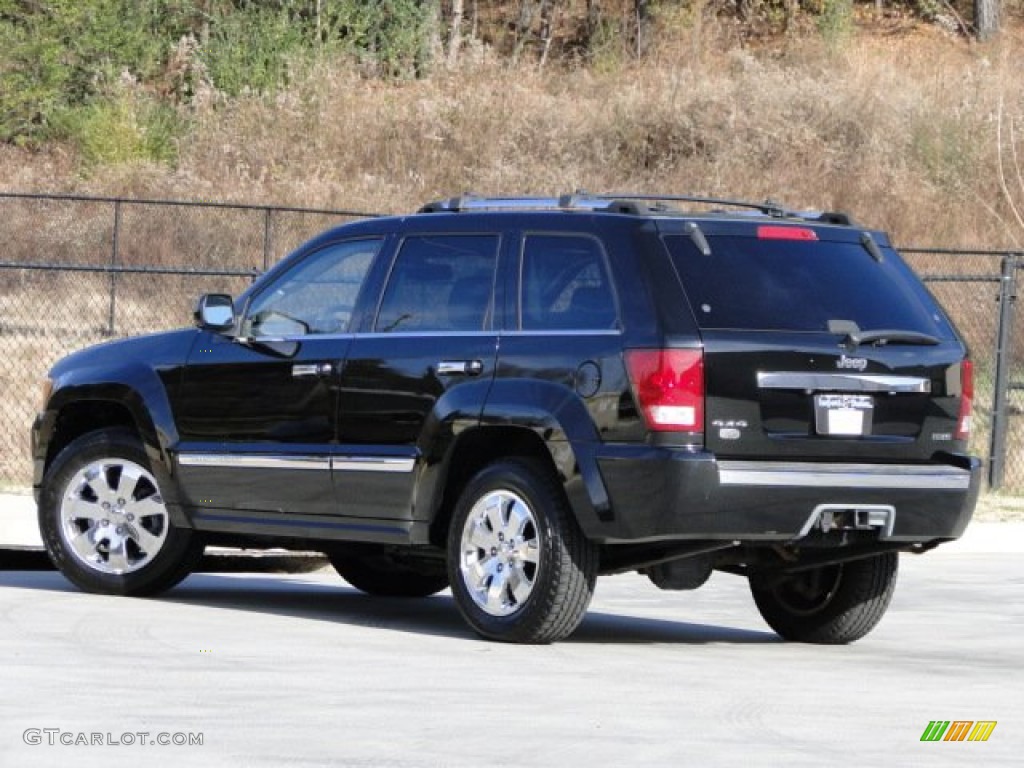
(463, 367)
(312, 369)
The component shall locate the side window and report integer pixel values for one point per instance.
(314, 297)
(440, 283)
(565, 285)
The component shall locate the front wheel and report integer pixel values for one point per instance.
(831, 605)
(104, 522)
(520, 568)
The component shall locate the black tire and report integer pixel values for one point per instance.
(387, 576)
(131, 547)
(528, 588)
(832, 605)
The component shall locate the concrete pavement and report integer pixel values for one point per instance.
(303, 671)
(18, 526)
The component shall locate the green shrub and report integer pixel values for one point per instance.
(123, 128)
(835, 23)
(256, 47)
(249, 50)
(61, 54)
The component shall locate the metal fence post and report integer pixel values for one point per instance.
(267, 234)
(1004, 350)
(114, 258)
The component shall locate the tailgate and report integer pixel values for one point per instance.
(819, 343)
(807, 399)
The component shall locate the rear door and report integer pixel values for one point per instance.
(819, 343)
(418, 371)
(562, 352)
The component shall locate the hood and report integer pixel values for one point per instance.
(156, 350)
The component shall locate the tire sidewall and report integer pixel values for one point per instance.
(852, 611)
(515, 477)
(162, 572)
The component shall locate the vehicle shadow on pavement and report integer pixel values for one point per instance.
(435, 615)
(613, 628)
(339, 603)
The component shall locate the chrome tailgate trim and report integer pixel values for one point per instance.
(845, 382)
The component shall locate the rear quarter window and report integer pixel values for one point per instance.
(565, 285)
(752, 284)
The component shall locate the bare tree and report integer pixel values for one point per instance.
(455, 31)
(432, 48)
(642, 19)
(986, 18)
(530, 11)
(1008, 164)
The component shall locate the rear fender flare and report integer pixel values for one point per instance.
(561, 423)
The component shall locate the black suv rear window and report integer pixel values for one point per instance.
(752, 284)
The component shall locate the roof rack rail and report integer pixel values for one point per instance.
(767, 207)
(470, 202)
(628, 203)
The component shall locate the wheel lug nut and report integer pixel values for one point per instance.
(120, 502)
(120, 529)
(105, 505)
(130, 517)
(104, 522)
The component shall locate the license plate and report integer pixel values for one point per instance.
(843, 415)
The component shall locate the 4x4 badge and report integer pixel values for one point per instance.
(856, 363)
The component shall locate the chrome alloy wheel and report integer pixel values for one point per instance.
(500, 553)
(112, 516)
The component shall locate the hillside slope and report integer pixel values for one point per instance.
(901, 125)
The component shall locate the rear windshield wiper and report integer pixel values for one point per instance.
(895, 336)
(856, 337)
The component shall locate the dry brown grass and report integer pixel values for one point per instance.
(998, 509)
(899, 130)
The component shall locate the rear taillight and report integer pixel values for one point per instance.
(963, 419)
(669, 387)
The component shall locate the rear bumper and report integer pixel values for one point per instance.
(660, 494)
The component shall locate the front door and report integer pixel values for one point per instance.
(257, 411)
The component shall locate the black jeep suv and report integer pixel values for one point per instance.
(511, 397)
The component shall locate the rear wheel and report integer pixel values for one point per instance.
(387, 576)
(520, 568)
(834, 604)
(103, 519)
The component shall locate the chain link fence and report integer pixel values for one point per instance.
(78, 270)
(978, 290)
(75, 271)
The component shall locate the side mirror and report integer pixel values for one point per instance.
(215, 312)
